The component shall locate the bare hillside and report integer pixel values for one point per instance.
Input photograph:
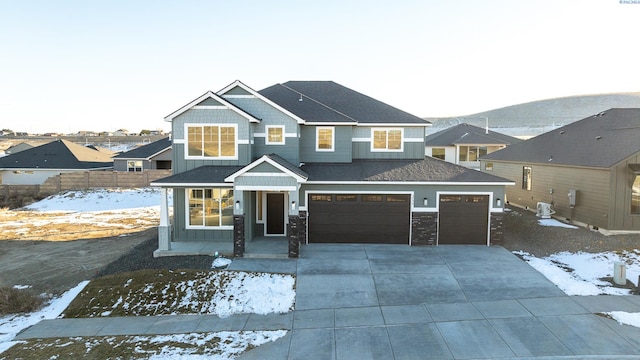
(544, 114)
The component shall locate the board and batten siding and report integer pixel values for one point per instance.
(341, 148)
(620, 217)
(552, 184)
(412, 149)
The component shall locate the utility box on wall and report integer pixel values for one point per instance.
(572, 197)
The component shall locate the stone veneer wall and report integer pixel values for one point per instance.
(497, 229)
(302, 227)
(238, 235)
(424, 228)
(293, 236)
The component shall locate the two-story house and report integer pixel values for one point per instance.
(314, 161)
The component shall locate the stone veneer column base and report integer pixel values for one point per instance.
(293, 236)
(238, 235)
(424, 228)
(497, 229)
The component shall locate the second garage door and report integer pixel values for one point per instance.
(463, 219)
(359, 218)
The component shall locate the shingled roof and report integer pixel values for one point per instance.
(59, 154)
(327, 101)
(465, 134)
(146, 151)
(426, 170)
(601, 140)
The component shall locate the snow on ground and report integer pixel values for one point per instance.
(11, 325)
(99, 200)
(554, 222)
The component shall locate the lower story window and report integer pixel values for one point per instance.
(210, 207)
(134, 165)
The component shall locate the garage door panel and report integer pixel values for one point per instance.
(360, 221)
(463, 219)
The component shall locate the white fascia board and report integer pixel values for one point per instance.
(259, 96)
(409, 183)
(264, 158)
(158, 153)
(191, 185)
(211, 94)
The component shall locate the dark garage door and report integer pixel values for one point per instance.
(463, 219)
(359, 218)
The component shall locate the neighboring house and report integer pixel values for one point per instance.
(121, 132)
(24, 145)
(153, 156)
(589, 170)
(314, 161)
(464, 144)
(34, 166)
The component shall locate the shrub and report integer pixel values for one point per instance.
(13, 301)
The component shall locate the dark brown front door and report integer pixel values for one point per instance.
(275, 213)
(463, 219)
(359, 218)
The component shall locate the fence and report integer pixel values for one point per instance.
(16, 195)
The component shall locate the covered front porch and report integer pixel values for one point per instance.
(259, 247)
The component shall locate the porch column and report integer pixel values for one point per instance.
(164, 229)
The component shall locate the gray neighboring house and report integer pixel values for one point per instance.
(34, 166)
(464, 144)
(153, 156)
(589, 170)
(313, 162)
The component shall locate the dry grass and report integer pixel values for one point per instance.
(206, 345)
(14, 301)
(54, 226)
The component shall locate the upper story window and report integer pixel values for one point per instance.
(275, 135)
(134, 165)
(325, 138)
(472, 153)
(526, 178)
(212, 141)
(438, 153)
(386, 139)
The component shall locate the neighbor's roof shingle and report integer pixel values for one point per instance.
(465, 134)
(601, 141)
(327, 101)
(59, 154)
(146, 151)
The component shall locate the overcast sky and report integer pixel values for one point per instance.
(103, 65)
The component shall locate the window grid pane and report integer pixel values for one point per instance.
(275, 135)
(210, 141)
(395, 140)
(228, 141)
(194, 140)
(379, 139)
(325, 137)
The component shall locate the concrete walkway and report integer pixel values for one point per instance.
(399, 302)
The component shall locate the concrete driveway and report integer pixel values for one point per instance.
(447, 302)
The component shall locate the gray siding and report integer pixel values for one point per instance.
(288, 151)
(342, 146)
(181, 233)
(265, 181)
(268, 116)
(210, 116)
(620, 217)
(180, 165)
(412, 150)
(592, 200)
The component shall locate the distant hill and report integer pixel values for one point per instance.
(535, 117)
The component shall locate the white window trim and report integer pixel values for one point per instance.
(266, 137)
(373, 130)
(201, 157)
(186, 211)
(135, 166)
(333, 138)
